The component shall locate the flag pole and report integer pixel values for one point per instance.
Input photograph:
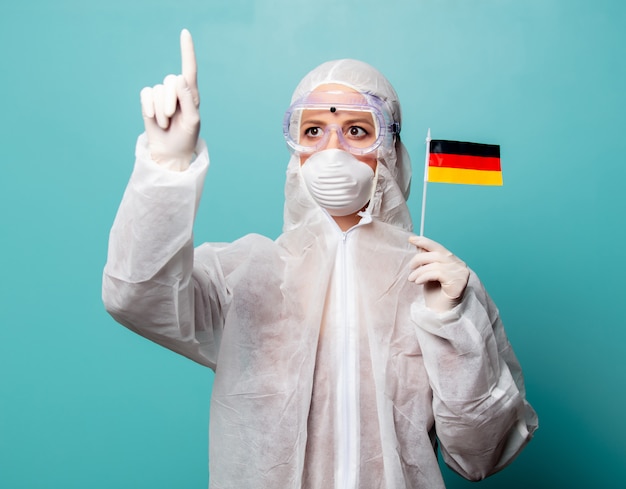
(425, 182)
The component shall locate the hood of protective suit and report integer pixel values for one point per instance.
(394, 166)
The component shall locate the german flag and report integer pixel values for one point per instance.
(465, 163)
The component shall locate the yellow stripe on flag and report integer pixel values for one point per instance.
(464, 176)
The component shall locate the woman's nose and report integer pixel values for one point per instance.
(333, 139)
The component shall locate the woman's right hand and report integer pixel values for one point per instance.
(171, 112)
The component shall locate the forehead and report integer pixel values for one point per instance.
(336, 103)
(341, 116)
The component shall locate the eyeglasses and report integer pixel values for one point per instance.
(360, 121)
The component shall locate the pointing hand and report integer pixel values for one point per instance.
(170, 112)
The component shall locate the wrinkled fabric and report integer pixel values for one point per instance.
(330, 371)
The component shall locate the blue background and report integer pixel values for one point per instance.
(86, 403)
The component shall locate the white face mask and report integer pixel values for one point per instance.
(338, 182)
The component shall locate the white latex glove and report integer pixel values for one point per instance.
(170, 112)
(443, 275)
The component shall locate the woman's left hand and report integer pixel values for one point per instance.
(443, 275)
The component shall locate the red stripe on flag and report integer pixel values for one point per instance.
(464, 161)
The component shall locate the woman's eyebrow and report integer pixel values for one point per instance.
(315, 122)
(360, 120)
(350, 120)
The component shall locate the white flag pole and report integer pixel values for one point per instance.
(425, 182)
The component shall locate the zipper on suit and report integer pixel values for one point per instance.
(347, 470)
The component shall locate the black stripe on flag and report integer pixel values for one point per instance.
(442, 146)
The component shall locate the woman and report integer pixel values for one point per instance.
(344, 351)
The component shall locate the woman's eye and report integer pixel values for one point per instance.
(356, 132)
(313, 132)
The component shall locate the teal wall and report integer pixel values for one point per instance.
(85, 403)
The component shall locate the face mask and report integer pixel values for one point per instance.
(338, 182)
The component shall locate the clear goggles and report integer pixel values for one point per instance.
(359, 120)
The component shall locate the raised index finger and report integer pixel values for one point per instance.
(189, 67)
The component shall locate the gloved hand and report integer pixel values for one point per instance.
(170, 112)
(443, 275)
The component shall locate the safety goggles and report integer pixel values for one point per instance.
(360, 121)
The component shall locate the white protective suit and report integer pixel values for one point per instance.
(330, 371)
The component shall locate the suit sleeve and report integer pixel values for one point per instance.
(152, 282)
(482, 417)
